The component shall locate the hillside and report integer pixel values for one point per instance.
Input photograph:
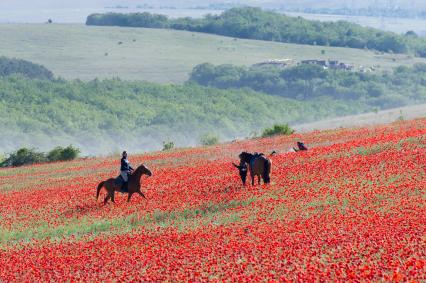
(158, 55)
(255, 23)
(102, 117)
(351, 208)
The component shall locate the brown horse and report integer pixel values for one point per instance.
(134, 185)
(259, 165)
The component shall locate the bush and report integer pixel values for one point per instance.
(24, 156)
(209, 139)
(63, 154)
(16, 66)
(168, 145)
(277, 129)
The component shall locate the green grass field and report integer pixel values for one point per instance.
(78, 51)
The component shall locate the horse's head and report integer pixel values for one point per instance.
(144, 170)
(245, 156)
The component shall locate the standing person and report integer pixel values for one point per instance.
(125, 171)
(242, 168)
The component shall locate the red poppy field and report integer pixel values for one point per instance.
(351, 208)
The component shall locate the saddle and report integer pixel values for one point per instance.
(119, 181)
(255, 156)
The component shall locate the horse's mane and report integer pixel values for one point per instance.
(137, 171)
(245, 156)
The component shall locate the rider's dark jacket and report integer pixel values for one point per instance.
(125, 165)
(302, 146)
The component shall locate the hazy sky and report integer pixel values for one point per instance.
(76, 11)
(13, 4)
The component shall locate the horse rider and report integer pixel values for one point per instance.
(125, 171)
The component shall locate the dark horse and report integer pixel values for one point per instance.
(134, 184)
(259, 165)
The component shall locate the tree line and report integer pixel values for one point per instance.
(255, 23)
(306, 82)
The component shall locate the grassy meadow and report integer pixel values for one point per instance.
(77, 51)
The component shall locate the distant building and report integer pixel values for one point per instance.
(329, 64)
(340, 66)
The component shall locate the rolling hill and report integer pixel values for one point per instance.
(166, 56)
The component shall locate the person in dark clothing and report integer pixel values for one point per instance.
(242, 168)
(125, 171)
(300, 146)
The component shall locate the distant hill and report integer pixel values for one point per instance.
(159, 55)
(255, 23)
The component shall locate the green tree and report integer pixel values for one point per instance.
(24, 156)
(277, 129)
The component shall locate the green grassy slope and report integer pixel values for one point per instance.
(101, 116)
(78, 51)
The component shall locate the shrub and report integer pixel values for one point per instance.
(27, 156)
(24, 156)
(63, 154)
(209, 139)
(16, 66)
(168, 145)
(277, 129)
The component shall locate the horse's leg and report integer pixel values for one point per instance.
(106, 198)
(129, 196)
(113, 196)
(141, 194)
(258, 179)
(252, 178)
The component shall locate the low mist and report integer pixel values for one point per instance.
(109, 143)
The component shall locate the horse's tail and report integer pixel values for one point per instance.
(98, 190)
(267, 171)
